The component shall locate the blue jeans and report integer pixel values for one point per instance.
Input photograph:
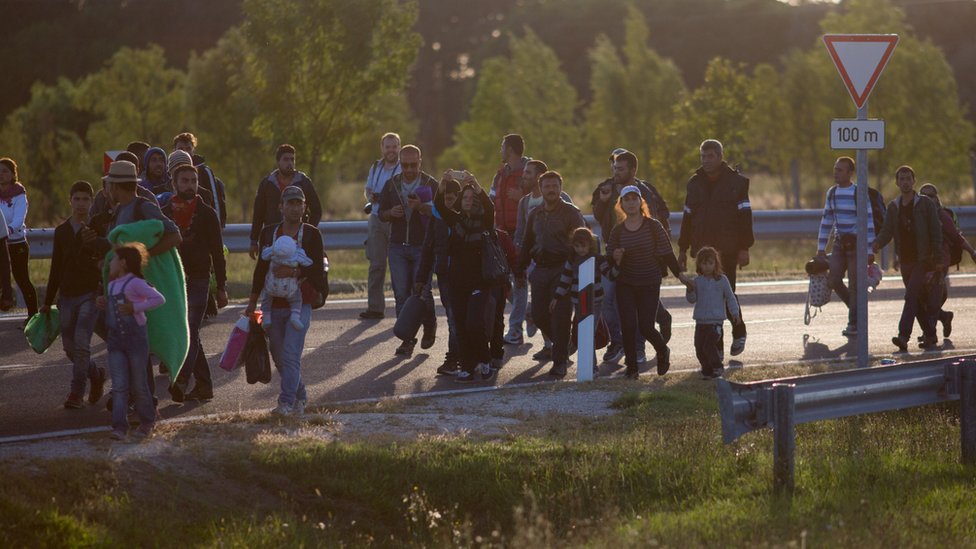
(404, 262)
(520, 304)
(128, 352)
(197, 290)
(78, 316)
(447, 291)
(287, 345)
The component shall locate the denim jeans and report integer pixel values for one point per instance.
(128, 352)
(447, 291)
(377, 246)
(287, 345)
(708, 345)
(196, 364)
(77, 324)
(404, 262)
(840, 263)
(520, 304)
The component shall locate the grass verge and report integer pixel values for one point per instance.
(655, 473)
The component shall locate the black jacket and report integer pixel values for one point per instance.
(268, 198)
(717, 214)
(202, 245)
(606, 214)
(435, 255)
(74, 265)
(402, 232)
(548, 236)
(209, 181)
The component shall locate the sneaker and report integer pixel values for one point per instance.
(558, 370)
(664, 361)
(486, 371)
(928, 342)
(714, 374)
(143, 432)
(430, 336)
(449, 368)
(73, 402)
(464, 376)
(738, 345)
(901, 343)
(372, 315)
(118, 435)
(641, 358)
(544, 355)
(631, 372)
(530, 328)
(199, 393)
(615, 351)
(947, 324)
(97, 389)
(176, 393)
(849, 331)
(281, 410)
(513, 337)
(406, 348)
(299, 408)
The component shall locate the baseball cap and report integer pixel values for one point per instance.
(629, 189)
(293, 193)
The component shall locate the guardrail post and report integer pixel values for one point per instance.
(784, 438)
(967, 411)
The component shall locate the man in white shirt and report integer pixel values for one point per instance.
(378, 239)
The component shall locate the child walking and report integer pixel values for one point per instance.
(584, 247)
(129, 297)
(284, 251)
(711, 293)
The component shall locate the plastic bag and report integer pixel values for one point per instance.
(42, 329)
(232, 356)
(257, 360)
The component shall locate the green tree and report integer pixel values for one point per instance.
(318, 64)
(526, 93)
(634, 93)
(135, 97)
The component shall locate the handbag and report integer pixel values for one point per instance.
(494, 264)
(257, 360)
(42, 329)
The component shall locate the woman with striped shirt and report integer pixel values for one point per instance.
(639, 250)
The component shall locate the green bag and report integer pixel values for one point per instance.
(42, 329)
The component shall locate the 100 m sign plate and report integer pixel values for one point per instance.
(857, 134)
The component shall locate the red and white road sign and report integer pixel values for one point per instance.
(108, 158)
(860, 59)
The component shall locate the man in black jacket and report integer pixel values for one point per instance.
(718, 214)
(406, 203)
(268, 196)
(187, 142)
(201, 250)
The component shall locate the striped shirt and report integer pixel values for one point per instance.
(840, 215)
(644, 251)
(569, 280)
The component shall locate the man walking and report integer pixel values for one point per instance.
(507, 189)
(187, 142)
(267, 200)
(913, 222)
(201, 251)
(840, 216)
(718, 214)
(624, 166)
(547, 242)
(287, 342)
(378, 237)
(406, 204)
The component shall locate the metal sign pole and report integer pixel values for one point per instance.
(861, 273)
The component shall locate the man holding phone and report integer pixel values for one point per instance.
(406, 204)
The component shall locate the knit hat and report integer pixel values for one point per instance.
(292, 193)
(121, 172)
(178, 158)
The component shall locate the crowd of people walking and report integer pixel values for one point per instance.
(147, 264)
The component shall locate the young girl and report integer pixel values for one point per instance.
(711, 293)
(584, 247)
(129, 297)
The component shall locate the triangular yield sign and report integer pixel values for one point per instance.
(859, 59)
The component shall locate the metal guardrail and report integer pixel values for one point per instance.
(350, 235)
(784, 403)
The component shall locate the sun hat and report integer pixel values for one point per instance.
(121, 171)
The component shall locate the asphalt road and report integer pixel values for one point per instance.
(347, 359)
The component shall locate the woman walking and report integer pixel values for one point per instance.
(13, 206)
(639, 250)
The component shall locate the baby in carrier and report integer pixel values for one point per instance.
(284, 251)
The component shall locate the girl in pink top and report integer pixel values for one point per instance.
(129, 297)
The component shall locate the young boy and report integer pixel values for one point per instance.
(74, 271)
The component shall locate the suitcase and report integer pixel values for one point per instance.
(410, 318)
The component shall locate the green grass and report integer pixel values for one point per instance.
(657, 473)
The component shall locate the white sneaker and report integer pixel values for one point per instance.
(513, 337)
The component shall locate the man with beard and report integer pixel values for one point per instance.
(624, 166)
(268, 196)
(207, 180)
(378, 237)
(201, 250)
(547, 242)
(155, 178)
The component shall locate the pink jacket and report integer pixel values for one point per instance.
(138, 292)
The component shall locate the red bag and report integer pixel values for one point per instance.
(231, 358)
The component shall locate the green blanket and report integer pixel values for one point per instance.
(169, 333)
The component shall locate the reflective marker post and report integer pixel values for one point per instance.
(584, 334)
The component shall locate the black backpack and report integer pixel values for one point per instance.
(955, 249)
(878, 207)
